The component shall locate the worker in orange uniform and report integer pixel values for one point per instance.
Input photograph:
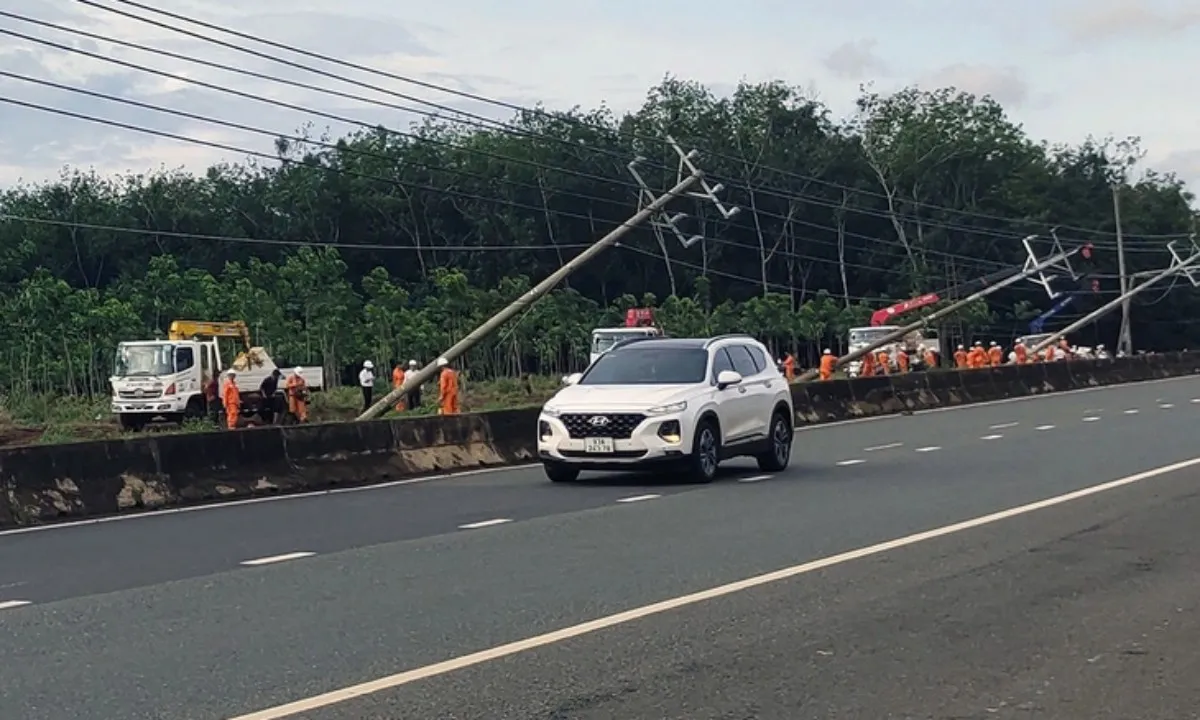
(447, 388)
(902, 360)
(961, 358)
(977, 358)
(297, 395)
(1021, 352)
(789, 367)
(397, 383)
(868, 365)
(828, 363)
(231, 398)
(995, 355)
(885, 362)
(929, 357)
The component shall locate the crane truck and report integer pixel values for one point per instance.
(639, 323)
(165, 379)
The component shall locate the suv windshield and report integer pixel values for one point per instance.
(649, 366)
(144, 360)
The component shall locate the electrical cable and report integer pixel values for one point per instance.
(490, 101)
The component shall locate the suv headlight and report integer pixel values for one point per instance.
(667, 409)
(551, 411)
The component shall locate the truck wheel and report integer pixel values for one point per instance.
(706, 453)
(132, 422)
(560, 473)
(194, 410)
(779, 451)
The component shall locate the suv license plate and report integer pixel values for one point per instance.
(598, 445)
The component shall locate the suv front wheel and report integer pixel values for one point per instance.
(706, 453)
(560, 473)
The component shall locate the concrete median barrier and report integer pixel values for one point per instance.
(46, 483)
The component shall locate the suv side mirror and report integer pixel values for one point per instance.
(572, 379)
(725, 378)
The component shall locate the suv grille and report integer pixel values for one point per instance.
(618, 427)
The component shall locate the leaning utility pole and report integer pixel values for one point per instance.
(1125, 337)
(1188, 267)
(1033, 267)
(650, 206)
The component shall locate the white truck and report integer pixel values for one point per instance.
(639, 323)
(166, 379)
(913, 344)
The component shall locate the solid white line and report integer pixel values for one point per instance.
(484, 523)
(847, 463)
(1044, 427)
(991, 437)
(931, 448)
(391, 682)
(277, 558)
(9, 604)
(889, 446)
(1091, 418)
(638, 498)
(1001, 426)
(756, 478)
(1196, 401)
(1132, 411)
(1166, 406)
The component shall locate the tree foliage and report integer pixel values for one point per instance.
(388, 245)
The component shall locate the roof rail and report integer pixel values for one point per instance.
(729, 336)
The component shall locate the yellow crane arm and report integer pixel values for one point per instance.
(188, 329)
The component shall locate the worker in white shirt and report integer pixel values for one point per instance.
(366, 381)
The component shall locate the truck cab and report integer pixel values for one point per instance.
(639, 323)
(161, 379)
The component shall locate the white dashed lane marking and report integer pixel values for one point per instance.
(991, 437)
(1166, 406)
(847, 463)
(484, 523)
(889, 446)
(1132, 411)
(756, 478)
(1002, 426)
(1091, 418)
(9, 604)
(638, 498)
(1044, 427)
(277, 558)
(931, 448)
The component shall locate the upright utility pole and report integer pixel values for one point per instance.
(650, 206)
(1188, 267)
(1124, 338)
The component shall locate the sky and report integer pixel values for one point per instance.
(1064, 69)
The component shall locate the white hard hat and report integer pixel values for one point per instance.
(442, 362)
(827, 352)
(960, 347)
(412, 363)
(231, 372)
(368, 364)
(298, 370)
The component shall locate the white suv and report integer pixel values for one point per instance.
(685, 402)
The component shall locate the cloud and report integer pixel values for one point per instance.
(1005, 85)
(1122, 19)
(854, 60)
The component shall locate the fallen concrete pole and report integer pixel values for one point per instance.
(48, 483)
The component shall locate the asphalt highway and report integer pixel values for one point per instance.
(1084, 609)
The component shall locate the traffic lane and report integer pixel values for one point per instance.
(78, 560)
(269, 635)
(1083, 610)
(105, 557)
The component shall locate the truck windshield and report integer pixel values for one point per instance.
(866, 336)
(603, 342)
(144, 360)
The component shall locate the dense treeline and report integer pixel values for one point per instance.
(435, 227)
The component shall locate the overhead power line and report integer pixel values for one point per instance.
(499, 103)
